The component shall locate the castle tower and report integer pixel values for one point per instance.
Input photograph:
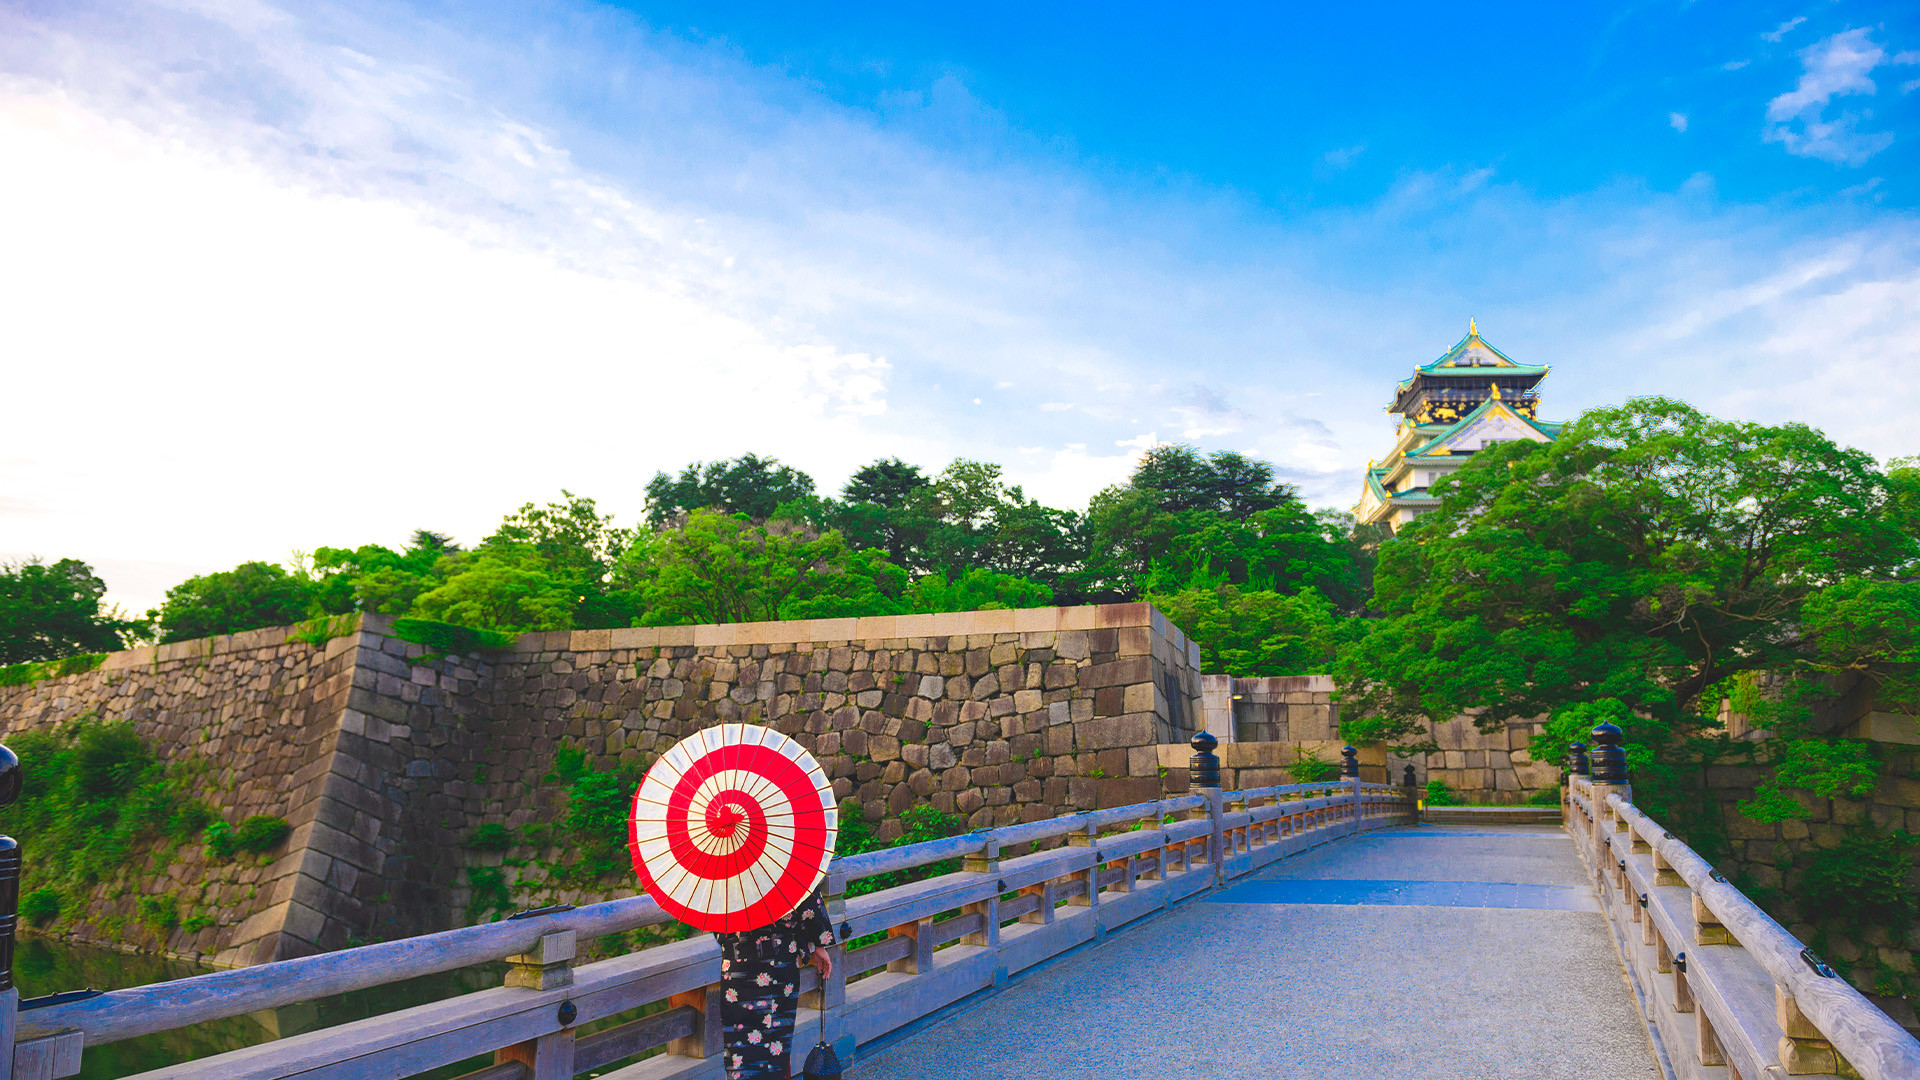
(1470, 398)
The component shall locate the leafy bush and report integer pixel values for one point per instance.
(492, 836)
(920, 823)
(450, 639)
(219, 841)
(159, 913)
(255, 835)
(488, 896)
(260, 833)
(23, 674)
(1545, 797)
(41, 906)
(1861, 881)
(592, 833)
(1310, 768)
(96, 800)
(1441, 793)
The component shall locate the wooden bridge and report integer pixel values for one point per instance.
(1105, 909)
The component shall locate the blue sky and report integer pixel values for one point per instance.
(286, 274)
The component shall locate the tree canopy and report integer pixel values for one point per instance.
(1642, 568)
(1216, 538)
(49, 611)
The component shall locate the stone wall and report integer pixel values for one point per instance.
(385, 759)
(1300, 714)
(258, 716)
(1762, 854)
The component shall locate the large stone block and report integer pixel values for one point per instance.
(1109, 732)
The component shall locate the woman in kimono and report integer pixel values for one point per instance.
(760, 977)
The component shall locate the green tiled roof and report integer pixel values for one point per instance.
(1550, 429)
(1438, 367)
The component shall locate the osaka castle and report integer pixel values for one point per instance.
(1467, 400)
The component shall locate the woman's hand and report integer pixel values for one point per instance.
(823, 960)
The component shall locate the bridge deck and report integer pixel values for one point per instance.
(1431, 952)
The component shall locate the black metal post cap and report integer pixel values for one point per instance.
(1351, 765)
(1608, 759)
(1204, 767)
(1578, 754)
(10, 776)
(1406, 777)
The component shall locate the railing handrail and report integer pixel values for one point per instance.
(219, 995)
(133, 1011)
(1863, 1033)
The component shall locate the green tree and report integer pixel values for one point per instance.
(52, 610)
(247, 597)
(1648, 554)
(1251, 633)
(1638, 569)
(1186, 520)
(975, 590)
(573, 545)
(972, 519)
(501, 590)
(719, 567)
(378, 579)
(749, 484)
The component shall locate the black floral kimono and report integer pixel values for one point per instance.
(760, 974)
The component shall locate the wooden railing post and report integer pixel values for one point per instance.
(1204, 767)
(987, 862)
(546, 966)
(1803, 1049)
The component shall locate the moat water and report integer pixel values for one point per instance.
(41, 966)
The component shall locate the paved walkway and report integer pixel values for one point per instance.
(1433, 953)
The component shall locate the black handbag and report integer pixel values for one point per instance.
(822, 1063)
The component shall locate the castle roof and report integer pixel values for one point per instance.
(1439, 443)
(1472, 356)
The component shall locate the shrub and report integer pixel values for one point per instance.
(450, 639)
(95, 801)
(1441, 793)
(41, 906)
(1545, 797)
(1310, 768)
(1862, 880)
(920, 823)
(260, 833)
(220, 841)
(160, 913)
(492, 836)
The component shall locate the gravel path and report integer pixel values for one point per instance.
(1388, 969)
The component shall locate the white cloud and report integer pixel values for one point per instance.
(1055, 406)
(1783, 29)
(1836, 67)
(1344, 156)
(1677, 121)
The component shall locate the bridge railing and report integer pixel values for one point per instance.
(1724, 984)
(906, 952)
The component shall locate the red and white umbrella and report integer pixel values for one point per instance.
(733, 827)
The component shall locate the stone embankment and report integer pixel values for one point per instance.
(385, 759)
